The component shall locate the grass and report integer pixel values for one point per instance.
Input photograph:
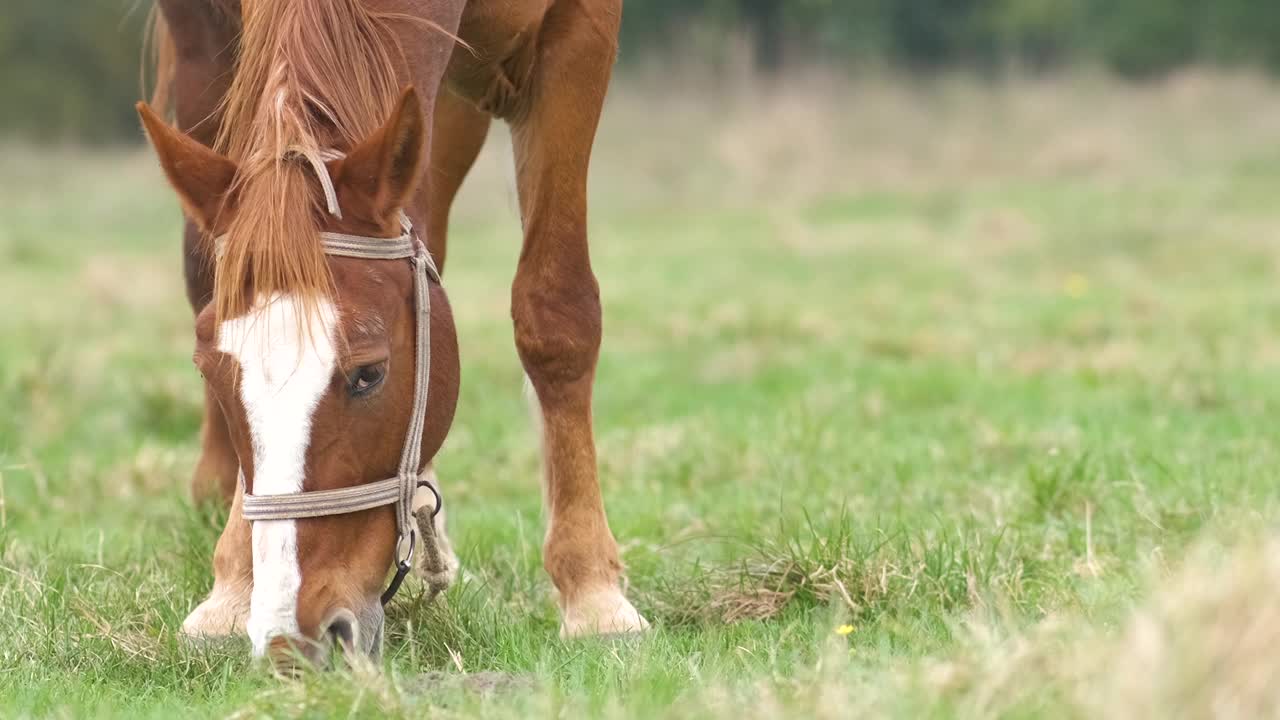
(985, 374)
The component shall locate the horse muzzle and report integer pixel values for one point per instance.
(354, 637)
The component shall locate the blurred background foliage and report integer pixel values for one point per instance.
(68, 69)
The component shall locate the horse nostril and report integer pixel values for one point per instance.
(343, 628)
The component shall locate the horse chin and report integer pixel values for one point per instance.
(368, 641)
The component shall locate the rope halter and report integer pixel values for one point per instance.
(398, 490)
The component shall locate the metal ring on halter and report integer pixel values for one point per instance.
(439, 500)
(402, 567)
(413, 543)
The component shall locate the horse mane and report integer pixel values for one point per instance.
(309, 75)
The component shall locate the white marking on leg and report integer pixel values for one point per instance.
(604, 611)
(535, 413)
(601, 612)
(531, 401)
(286, 363)
(222, 613)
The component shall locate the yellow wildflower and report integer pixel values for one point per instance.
(1075, 285)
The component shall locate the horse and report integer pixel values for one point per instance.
(316, 149)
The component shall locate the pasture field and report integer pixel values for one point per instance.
(916, 400)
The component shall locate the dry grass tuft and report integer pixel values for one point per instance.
(823, 567)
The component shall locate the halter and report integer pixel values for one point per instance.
(398, 490)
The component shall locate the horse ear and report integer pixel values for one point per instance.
(199, 175)
(381, 172)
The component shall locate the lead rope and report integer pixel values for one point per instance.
(401, 489)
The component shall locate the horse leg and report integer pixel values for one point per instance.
(203, 36)
(555, 305)
(225, 610)
(459, 131)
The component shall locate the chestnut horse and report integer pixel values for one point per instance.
(301, 121)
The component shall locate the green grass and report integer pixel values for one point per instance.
(986, 373)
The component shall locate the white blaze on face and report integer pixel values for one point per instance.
(286, 363)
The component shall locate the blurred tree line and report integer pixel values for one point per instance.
(70, 68)
(1134, 38)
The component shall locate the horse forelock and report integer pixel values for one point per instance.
(310, 75)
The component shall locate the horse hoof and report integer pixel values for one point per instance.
(604, 612)
(220, 615)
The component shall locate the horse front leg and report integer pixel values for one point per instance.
(226, 609)
(199, 70)
(555, 306)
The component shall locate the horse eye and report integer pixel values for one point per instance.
(366, 378)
